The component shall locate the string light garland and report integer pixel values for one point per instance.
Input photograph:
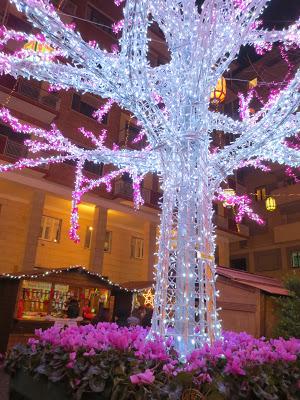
(172, 104)
(57, 271)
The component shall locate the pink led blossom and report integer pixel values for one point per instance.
(291, 174)
(54, 88)
(99, 142)
(118, 26)
(118, 2)
(136, 185)
(115, 48)
(242, 206)
(241, 4)
(93, 43)
(103, 110)
(141, 135)
(263, 48)
(255, 164)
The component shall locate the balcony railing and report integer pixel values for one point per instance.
(11, 148)
(229, 224)
(34, 92)
(124, 189)
(31, 90)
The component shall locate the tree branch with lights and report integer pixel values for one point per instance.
(172, 104)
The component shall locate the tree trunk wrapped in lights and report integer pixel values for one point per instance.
(185, 305)
(172, 104)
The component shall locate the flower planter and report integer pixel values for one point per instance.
(24, 387)
(107, 362)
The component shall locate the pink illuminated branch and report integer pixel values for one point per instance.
(291, 174)
(53, 141)
(274, 93)
(242, 205)
(84, 185)
(118, 2)
(140, 136)
(99, 142)
(257, 164)
(103, 110)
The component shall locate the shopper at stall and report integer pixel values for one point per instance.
(73, 309)
(102, 316)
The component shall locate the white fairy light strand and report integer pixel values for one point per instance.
(56, 271)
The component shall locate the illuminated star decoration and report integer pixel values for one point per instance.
(149, 298)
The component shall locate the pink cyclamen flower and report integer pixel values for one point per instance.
(143, 378)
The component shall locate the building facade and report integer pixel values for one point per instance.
(272, 249)
(116, 240)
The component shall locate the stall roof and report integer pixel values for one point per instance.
(267, 284)
(36, 273)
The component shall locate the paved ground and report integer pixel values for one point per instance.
(3, 385)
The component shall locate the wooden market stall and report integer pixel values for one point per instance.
(39, 298)
(246, 300)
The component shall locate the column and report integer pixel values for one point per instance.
(251, 267)
(98, 239)
(224, 254)
(151, 250)
(33, 230)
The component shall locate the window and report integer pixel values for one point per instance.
(83, 107)
(131, 132)
(261, 193)
(137, 248)
(88, 237)
(107, 242)
(239, 263)
(96, 169)
(50, 229)
(296, 259)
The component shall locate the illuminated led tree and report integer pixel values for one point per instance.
(172, 104)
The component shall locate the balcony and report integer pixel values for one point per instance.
(11, 148)
(127, 136)
(229, 225)
(36, 93)
(287, 232)
(29, 98)
(124, 190)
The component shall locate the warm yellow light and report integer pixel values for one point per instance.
(253, 83)
(38, 47)
(271, 204)
(90, 228)
(219, 93)
(229, 192)
(148, 298)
